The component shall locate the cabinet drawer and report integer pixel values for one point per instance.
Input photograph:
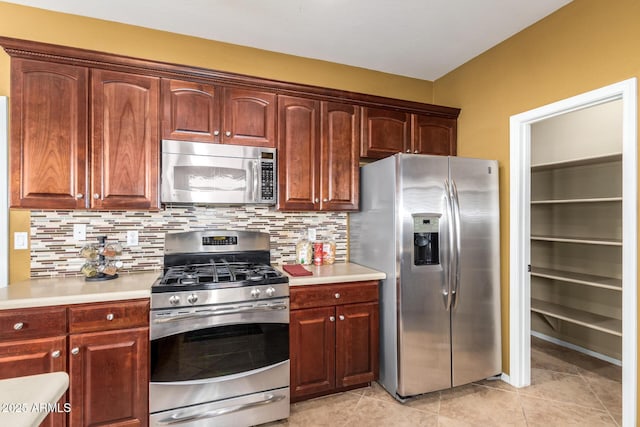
(111, 315)
(336, 294)
(32, 322)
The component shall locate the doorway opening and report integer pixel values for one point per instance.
(521, 232)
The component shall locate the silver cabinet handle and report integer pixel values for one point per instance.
(55, 354)
(75, 350)
(341, 317)
(110, 316)
(337, 295)
(325, 200)
(317, 200)
(79, 196)
(96, 196)
(227, 133)
(332, 319)
(18, 326)
(408, 151)
(216, 132)
(416, 152)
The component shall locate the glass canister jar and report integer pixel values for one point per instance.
(304, 252)
(328, 252)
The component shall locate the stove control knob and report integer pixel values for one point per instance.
(255, 293)
(270, 291)
(174, 300)
(192, 299)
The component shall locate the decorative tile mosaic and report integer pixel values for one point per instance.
(54, 252)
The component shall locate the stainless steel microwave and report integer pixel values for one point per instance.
(199, 172)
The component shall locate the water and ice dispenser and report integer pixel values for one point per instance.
(425, 239)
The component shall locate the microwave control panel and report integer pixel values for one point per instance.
(268, 181)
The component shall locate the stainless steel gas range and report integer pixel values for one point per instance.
(219, 332)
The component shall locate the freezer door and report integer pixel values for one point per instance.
(424, 352)
(475, 325)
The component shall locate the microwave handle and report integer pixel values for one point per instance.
(255, 181)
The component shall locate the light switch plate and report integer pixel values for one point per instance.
(20, 240)
(132, 238)
(79, 232)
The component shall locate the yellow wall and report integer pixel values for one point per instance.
(68, 30)
(583, 46)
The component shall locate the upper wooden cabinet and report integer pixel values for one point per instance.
(86, 128)
(125, 140)
(50, 150)
(386, 132)
(298, 153)
(339, 157)
(318, 155)
(48, 134)
(433, 135)
(208, 113)
(249, 117)
(190, 111)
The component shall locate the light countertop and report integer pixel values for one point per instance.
(74, 290)
(26, 401)
(335, 273)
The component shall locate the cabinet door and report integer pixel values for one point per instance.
(298, 153)
(190, 111)
(434, 135)
(249, 117)
(32, 357)
(339, 158)
(48, 135)
(109, 378)
(356, 344)
(384, 132)
(125, 144)
(312, 351)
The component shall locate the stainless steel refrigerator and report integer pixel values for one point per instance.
(431, 223)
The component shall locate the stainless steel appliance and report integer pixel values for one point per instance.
(219, 332)
(431, 223)
(198, 172)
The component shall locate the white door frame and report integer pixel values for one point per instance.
(520, 233)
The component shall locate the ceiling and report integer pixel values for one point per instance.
(424, 39)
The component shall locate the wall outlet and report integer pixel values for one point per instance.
(132, 238)
(20, 240)
(79, 232)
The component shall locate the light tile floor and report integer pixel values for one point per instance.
(567, 388)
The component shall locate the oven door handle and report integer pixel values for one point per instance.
(177, 419)
(209, 313)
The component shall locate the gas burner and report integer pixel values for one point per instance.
(217, 274)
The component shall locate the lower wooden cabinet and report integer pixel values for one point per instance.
(333, 338)
(104, 347)
(109, 378)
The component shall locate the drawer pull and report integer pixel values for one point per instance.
(332, 319)
(18, 326)
(55, 354)
(341, 317)
(337, 295)
(75, 350)
(110, 316)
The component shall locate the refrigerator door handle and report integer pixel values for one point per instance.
(447, 291)
(456, 232)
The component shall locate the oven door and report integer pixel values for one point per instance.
(205, 354)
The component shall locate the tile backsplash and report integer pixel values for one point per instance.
(54, 252)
